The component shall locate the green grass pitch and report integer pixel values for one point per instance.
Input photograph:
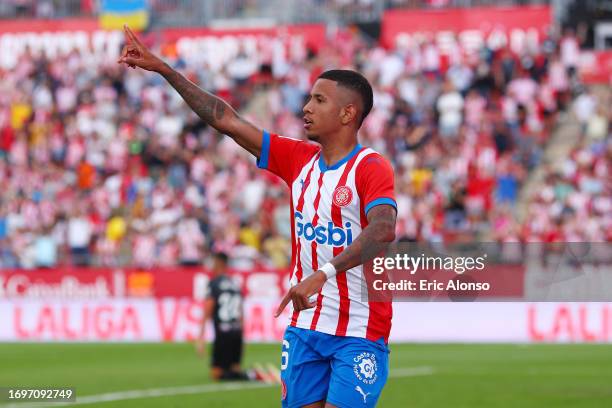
(423, 375)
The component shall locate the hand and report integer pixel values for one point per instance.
(200, 346)
(135, 54)
(300, 293)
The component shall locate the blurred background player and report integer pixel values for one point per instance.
(224, 305)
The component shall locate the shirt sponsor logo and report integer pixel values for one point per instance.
(323, 234)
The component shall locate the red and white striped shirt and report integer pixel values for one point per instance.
(329, 207)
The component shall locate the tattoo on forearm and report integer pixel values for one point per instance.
(215, 112)
(219, 109)
(373, 240)
(206, 105)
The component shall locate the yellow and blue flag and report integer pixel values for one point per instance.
(115, 13)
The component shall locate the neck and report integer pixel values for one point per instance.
(335, 152)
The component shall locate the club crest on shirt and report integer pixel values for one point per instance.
(343, 195)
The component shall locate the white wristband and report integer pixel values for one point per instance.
(329, 270)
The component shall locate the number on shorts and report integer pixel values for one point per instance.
(285, 355)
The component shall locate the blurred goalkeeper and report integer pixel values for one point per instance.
(334, 351)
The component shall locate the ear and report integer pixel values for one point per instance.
(348, 113)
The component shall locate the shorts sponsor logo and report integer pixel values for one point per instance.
(365, 368)
(343, 196)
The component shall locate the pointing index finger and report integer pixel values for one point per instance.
(133, 36)
(282, 306)
(128, 39)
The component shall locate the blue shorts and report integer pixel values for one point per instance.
(348, 372)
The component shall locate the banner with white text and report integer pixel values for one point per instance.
(178, 320)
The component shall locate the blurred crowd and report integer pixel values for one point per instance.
(574, 203)
(47, 8)
(235, 8)
(103, 165)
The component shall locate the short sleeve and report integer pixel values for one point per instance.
(284, 156)
(375, 182)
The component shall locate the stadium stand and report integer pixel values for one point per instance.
(106, 166)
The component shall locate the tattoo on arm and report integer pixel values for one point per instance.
(216, 112)
(206, 105)
(374, 239)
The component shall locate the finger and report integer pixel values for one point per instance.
(133, 36)
(128, 64)
(133, 40)
(314, 302)
(305, 303)
(129, 33)
(129, 61)
(124, 60)
(296, 304)
(123, 53)
(282, 305)
(128, 39)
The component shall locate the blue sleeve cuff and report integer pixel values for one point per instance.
(264, 155)
(380, 201)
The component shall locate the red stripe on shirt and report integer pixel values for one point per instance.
(298, 246)
(345, 304)
(315, 260)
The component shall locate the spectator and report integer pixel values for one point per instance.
(80, 231)
(190, 239)
(450, 109)
(45, 249)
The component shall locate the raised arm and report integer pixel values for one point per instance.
(212, 109)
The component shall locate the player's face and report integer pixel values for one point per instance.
(322, 110)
